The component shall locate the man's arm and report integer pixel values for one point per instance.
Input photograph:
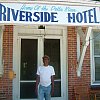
(37, 82)
(52, 81)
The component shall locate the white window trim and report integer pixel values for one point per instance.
(92, 62)
(1, 50)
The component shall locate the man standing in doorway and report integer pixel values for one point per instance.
(45, 79)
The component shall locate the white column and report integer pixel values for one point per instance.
(1, 48)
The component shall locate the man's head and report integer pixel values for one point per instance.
(46, 60)
(46, 56)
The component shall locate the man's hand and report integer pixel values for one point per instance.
(52, 91)
(36, 91)
(37, 82)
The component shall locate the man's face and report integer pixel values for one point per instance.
(45, 61)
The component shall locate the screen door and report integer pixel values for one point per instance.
(30, 60)
(28, 67)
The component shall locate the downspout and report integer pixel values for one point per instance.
(1, 51)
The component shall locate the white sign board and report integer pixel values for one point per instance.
(22, 13)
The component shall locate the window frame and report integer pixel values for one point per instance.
(92, 56)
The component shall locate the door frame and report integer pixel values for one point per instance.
(22, 32)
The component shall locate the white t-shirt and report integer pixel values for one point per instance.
(45, 74)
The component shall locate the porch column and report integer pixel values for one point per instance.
(82, 54)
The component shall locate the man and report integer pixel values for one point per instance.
(45, 79)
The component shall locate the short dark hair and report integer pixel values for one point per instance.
(46, 56)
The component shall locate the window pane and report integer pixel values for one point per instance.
(28, 59)
(97, 68)
(27, 90)
(97, 43)
(57, 89)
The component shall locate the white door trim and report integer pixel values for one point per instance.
(54, 32)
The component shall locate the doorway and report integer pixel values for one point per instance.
(31, 49)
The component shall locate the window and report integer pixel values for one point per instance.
(95, 61)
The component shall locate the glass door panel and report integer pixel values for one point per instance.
(28, 68)
(52, 49)
(29, 63)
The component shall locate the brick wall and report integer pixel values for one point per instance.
(5, 82)
(72, 64)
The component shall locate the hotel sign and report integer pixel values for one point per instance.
(18, 13)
